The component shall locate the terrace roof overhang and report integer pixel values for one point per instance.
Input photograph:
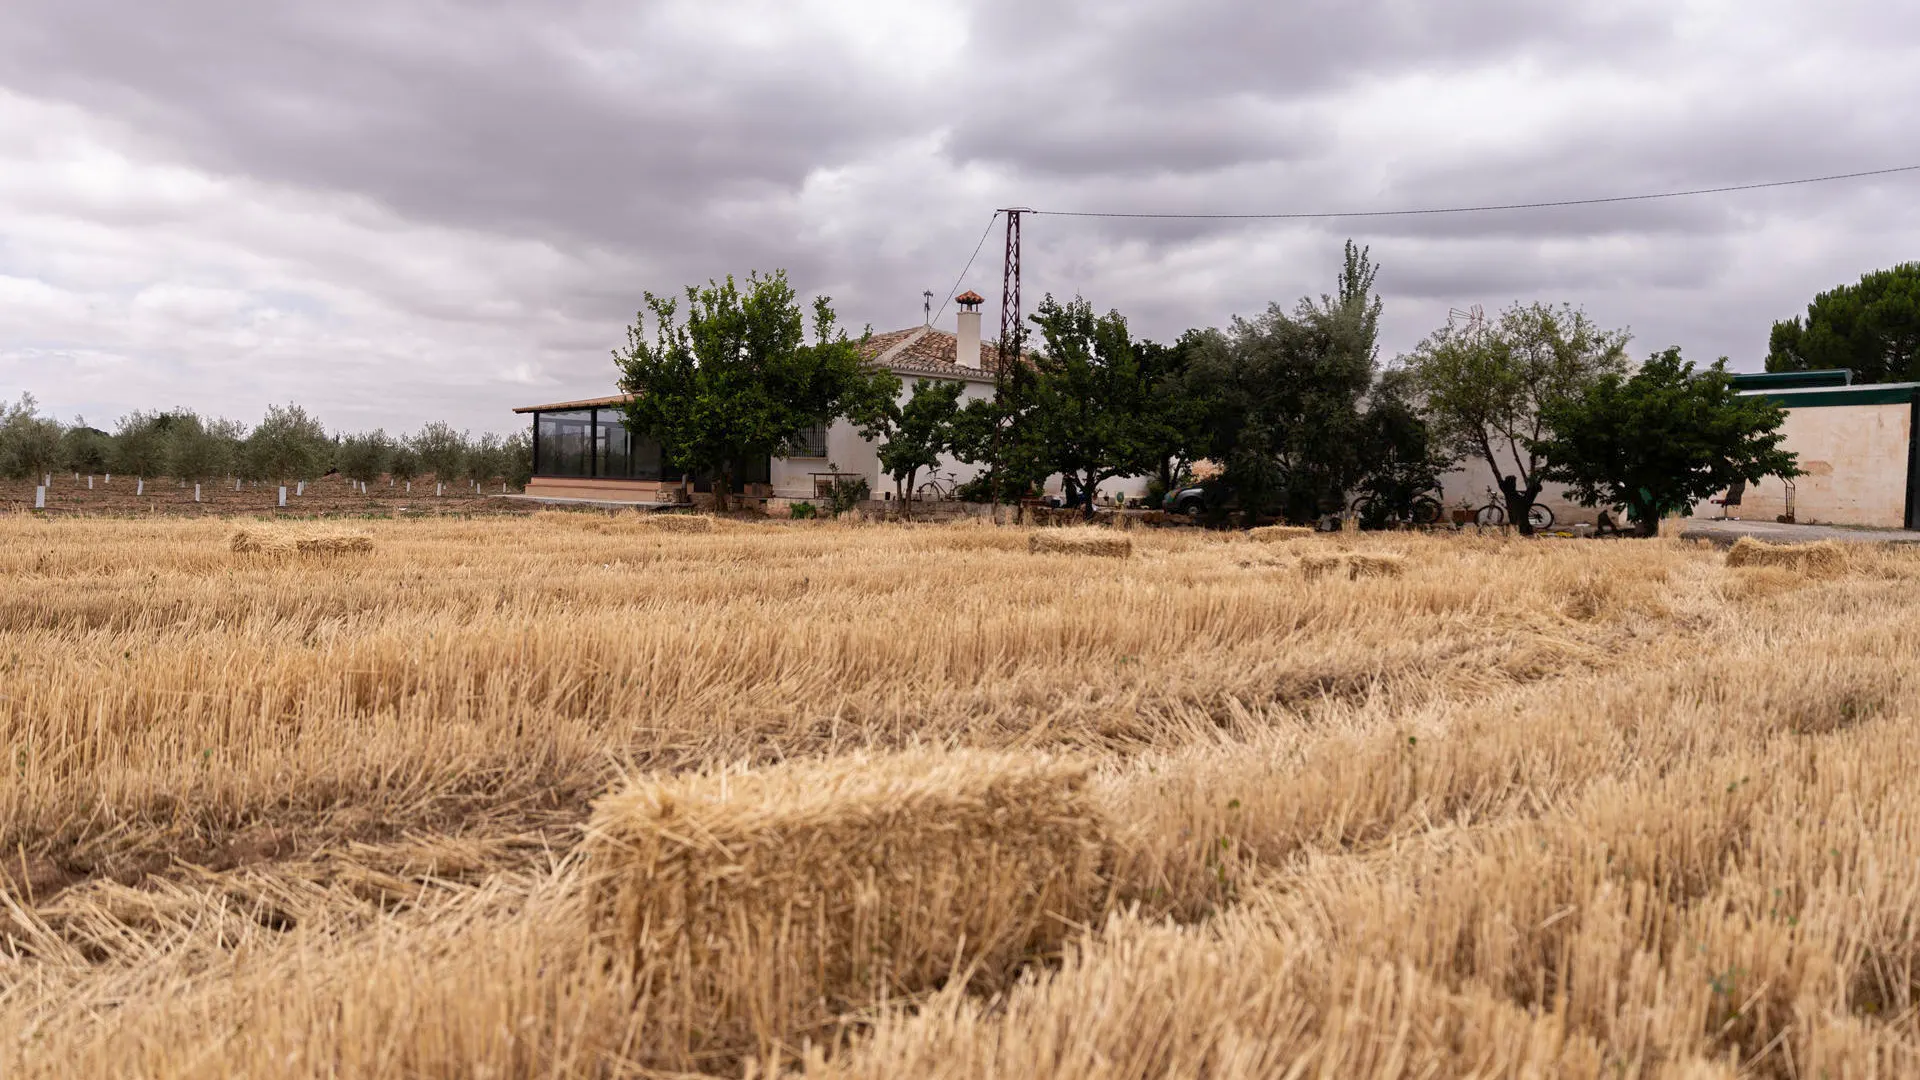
(584, 403)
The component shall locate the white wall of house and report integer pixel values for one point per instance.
(848, 452)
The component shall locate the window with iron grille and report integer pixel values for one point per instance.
(810, 443)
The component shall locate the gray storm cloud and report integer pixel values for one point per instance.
(393, 213)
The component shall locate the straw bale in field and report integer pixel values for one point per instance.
(1823, 559)
(759, 905)
(280, 541)
(1080, 542)
(1278, 534)
(1352, 565)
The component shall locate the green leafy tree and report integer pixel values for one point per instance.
(1399, 461)
(1486, 388)
(913, 434)
(140, 443)
(1177, 411)
(197, 450)
(441, 451)
(995, 433)
(738, 380)
(486, 459)
(29, 442)
(1662, 439)
(1094, 407)
(290, 444)
(516, 459)
(1871, 328)
(403, 462)
(85, 449)
(364, 457)
(1282, 394)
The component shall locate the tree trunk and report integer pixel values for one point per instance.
(1519, 502)
(906, 497)
(722, 487)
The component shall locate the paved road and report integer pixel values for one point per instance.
(1724, 533)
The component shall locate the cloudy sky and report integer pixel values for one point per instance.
(398, 211)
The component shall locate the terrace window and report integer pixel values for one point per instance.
(565, 443)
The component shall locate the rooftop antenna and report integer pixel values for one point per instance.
(1475, 318)
(926, 306)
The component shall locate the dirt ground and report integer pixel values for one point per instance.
(327, 496)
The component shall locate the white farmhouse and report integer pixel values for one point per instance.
(582, 452)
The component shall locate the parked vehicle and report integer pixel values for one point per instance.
(1189, 501)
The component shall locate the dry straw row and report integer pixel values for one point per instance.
(1100, 542)
(1353, 565)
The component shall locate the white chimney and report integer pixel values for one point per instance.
(967, 350)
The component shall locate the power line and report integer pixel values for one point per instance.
(1486, 208)
(969, 266)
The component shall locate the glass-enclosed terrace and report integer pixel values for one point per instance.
(588, 440)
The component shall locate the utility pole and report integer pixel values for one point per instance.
(1010, 338)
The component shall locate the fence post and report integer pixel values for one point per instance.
(196, 493)
(439, 489)
(299, 487)
(89, 481)
(40, 497)
(283, 494)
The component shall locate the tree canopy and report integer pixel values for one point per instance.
(1281, 397)
(1097, 402)
(1871, 328)
(738, 380)
(1485, 388)
(1662, 439)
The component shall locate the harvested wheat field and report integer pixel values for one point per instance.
(571, 795)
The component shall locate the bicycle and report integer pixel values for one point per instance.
(1421, 510)
(1495, 513)
(939, 486)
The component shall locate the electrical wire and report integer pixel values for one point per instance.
(1487, 208)
(963, 272)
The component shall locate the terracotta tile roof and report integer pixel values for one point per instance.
(926, 351)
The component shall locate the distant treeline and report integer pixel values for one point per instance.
(288, 444)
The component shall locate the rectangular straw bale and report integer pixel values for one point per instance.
(1277, 534)
(757, 906)
(1080, 542)
(1826, 558)
(266, 540)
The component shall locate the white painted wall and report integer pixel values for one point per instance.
(1855, 460)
